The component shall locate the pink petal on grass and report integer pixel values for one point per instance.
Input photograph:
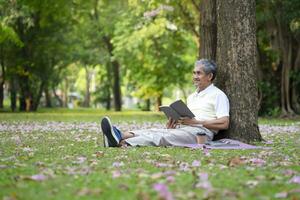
(257, 161)
(206, 152)
(295, 179)
(162, 165)
(281, 195)
(118, 164)
(38, 177)
(184, 167)
(170, 179)
(196, 163)
(289, 172)
(204, 182)
(80, 160)
(116, 174)
(163, 191)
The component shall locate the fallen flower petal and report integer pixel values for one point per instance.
(295, 179)
(118, 164)
(163, 191)
(257, 161)
(116, 174)
(196, 163)
(170, 179)
(36, 177)
(281, 195)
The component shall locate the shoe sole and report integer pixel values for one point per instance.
(108, 132)
(105, 141)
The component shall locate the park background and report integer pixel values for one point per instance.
(67, 63)
(133, 54)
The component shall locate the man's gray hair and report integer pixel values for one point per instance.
(209, 66)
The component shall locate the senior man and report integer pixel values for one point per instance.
(209, 104)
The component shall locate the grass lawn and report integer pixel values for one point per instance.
(58, 154)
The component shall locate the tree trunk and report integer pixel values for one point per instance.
(148, 104)
(158, 102)
(295, 92)
(13, 94)
(25, 94)
(108, 101)
(61, 103)
(208, 30)
(47, 97)
(236, 58)
(116, 86)
(66, 93)
(116, 76)
(2, 78)
(87, 96)
(36, 101)
(285, 48)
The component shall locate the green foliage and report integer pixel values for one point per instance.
(270, 98)
(8, 34)
(153, 49)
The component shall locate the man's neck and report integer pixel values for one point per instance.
(201, 89)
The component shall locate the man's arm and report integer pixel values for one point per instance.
(215, 124)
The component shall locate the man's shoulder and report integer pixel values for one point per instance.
(217, 91)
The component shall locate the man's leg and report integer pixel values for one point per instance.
(202, 139)
(126, 135)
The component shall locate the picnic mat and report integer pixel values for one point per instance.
(225, 144)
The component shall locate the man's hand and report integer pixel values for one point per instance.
(188, 121)
(171, 123)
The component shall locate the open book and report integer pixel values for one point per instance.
(177, 110)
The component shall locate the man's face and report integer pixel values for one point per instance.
(200, 79)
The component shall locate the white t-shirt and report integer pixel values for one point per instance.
(210, 103)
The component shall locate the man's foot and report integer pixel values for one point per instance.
(111, 134)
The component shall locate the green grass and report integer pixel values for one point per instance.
(81, 115)
(77, 167)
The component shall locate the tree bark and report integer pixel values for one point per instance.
(36, 102)
(295, 92)
(148, 104)
(13, 94)
(25, 94)
(158, 102)
(108, 88)
(61, 103)
(208, 30)
(285, 48)
(87, 96)
(2, 78)
(66, 93)
(47, 97)
(236, 59)
(116, 75)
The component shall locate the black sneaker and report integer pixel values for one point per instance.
(111, 137)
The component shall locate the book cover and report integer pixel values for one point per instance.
(176, 110)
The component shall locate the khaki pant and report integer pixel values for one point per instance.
(168, 137)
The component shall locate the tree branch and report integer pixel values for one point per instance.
(189, 21)
(196, 5)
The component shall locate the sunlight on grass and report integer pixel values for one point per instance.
(50, 155)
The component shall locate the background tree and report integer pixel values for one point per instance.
(153, 47)
(279, 29)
